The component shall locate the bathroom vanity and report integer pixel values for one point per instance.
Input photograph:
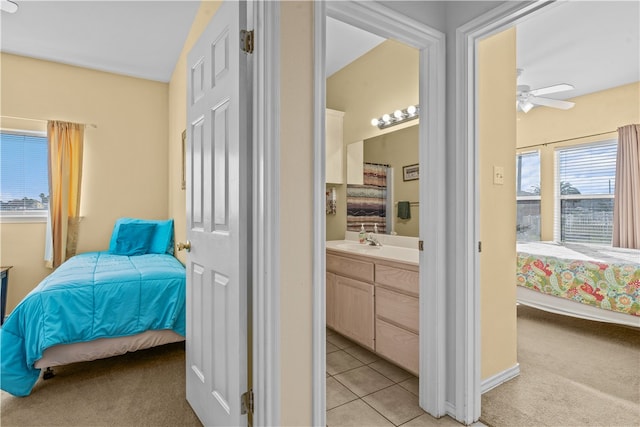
(372, 298)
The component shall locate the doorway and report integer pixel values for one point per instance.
(386, 23)
(371, 375)
(551, 152)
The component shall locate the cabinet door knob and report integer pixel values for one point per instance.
(186, 246)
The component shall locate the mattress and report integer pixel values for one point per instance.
(603, 277)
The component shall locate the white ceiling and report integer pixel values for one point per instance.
(136, 38)
(593, 45)
(346, 43)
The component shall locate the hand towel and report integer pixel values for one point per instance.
(404, 210)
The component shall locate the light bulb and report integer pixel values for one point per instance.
(8, 6)
(526, 107)
(411, 109)
(398, 114)
(386, 118)
(374, 122)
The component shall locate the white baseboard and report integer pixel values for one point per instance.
(499, 378)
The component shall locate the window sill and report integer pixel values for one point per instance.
(25, 219)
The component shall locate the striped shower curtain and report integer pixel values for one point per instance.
(366, 204)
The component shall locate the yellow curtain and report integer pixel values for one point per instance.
(626, 208)
(65, 176)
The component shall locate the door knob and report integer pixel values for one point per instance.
(186, 246)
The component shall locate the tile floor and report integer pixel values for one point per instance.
(365, 390)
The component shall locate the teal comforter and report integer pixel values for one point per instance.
(92, 295)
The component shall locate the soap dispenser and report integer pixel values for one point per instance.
(362, 235)
(375, 228)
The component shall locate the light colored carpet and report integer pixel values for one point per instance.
(573, 372)
(145, 388)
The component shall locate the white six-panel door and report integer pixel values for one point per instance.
(218, 191)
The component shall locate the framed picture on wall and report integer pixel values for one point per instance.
(411, 172)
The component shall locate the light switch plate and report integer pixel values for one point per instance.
(498, 175)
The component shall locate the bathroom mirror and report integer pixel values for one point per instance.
(398, 150)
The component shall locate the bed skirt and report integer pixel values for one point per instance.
(64, 354)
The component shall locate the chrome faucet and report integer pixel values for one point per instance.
(372, 240)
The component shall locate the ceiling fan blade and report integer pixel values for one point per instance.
(551, 89)
(554, 103)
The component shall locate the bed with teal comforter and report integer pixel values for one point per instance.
(92, 295)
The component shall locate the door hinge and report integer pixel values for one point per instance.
(420, 245)
(479, 246)
(246, 402)
(246, 41)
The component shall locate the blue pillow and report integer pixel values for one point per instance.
(134, 239)
(162, 240)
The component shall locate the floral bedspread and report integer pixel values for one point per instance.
(611, 286)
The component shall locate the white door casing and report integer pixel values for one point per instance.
(376, 18)
(218, 193)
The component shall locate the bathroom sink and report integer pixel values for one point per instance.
(357, 247)
(386, 251)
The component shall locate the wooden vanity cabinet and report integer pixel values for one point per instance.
(351, 287)
(331, 300)
(354, 307)
(375, 303)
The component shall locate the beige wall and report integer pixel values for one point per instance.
(380, 81)
(594, 114)
(296, 207)
(125, 158)
(398, 149)
(497, 129)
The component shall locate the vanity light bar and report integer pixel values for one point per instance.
(399, 116)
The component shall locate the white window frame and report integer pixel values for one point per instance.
(557, 217)
(26, 216)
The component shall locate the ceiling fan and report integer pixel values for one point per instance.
(527, 98)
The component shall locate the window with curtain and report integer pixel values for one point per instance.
(585, 185)
(528, 196)
(24, 176)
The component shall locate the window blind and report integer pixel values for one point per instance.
(24, 177)
(585, 184)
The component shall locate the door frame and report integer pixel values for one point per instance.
(386, 22)
(264, 19)
(467, 332)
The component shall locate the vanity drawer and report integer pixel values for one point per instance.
(398, 308)
(398, 345)
(397, 278)
(349, 267)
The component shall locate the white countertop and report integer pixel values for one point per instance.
(388, 252)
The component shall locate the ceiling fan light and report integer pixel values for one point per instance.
(8, 6)
(526, 106)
